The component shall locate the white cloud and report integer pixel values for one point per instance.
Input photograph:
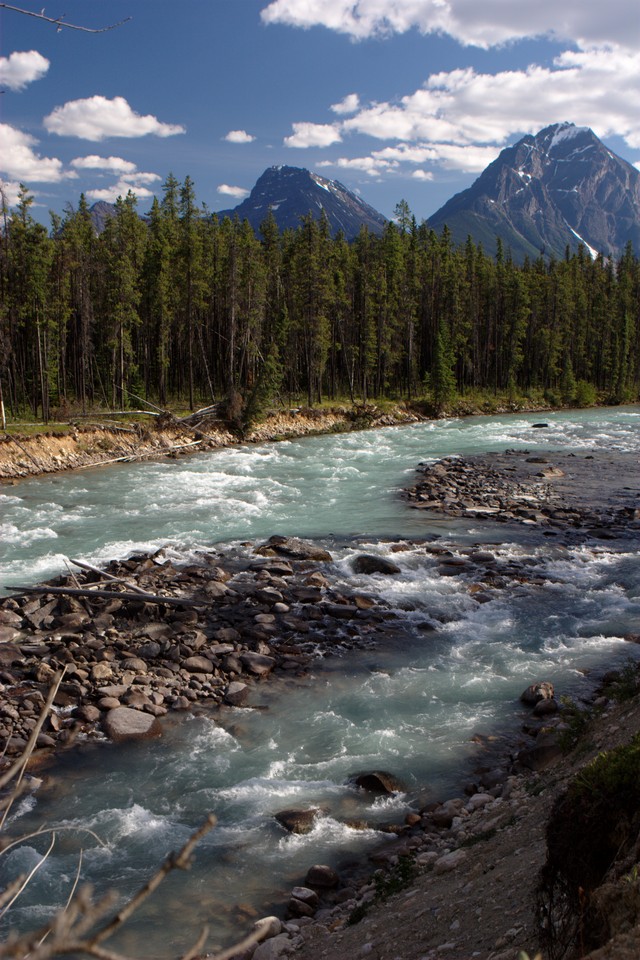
(470, 22)
(349, 105)
(110, 164)
(22, 67)
(119, 189)
(97, 118)
(422, 175)
(239, 136)
(228, 191)
(313, 135)
(10, 190)
(19, 160)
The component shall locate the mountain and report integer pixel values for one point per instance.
(293, 192)
(557, 189)
(100, 212)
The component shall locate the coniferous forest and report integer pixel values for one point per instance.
(180, 308)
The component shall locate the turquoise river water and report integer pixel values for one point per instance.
(409, 706)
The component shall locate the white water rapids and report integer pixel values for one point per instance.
(409, 706)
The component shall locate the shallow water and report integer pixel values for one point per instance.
(409, 705)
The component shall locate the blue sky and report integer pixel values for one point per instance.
(397, 99)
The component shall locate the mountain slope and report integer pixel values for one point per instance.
(293, 192)
(554, 190)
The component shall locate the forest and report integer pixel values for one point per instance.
(177, 307)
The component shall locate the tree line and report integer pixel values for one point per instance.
(180, 307)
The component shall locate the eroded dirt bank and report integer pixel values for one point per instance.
(29, 456)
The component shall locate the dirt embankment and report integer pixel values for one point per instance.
(29, 456)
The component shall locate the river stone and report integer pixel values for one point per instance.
(369, 563)
(274, 948)
(306, 895)
(298, 908)
(88, 713)
(124, 723)
(8, 633)
(236, 693)
(536, 692)
(545, 707)
(101, 671)
(320, 875)
(294, 548)
(150, 650)
(268, 927)
(197, 664)
(258, 663)
(297, 821)
(378, 781)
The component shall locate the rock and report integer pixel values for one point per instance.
(294, 548)
(101, 671)
(274, 948)
(540, 756)
(378, 781)
(544, 708)
(450, 861)
(136, 664)
(124, 723)
(258, 663)
(320, 875)
(443, 815)
(298, 908)
(297, 821)
(268, 927)
(197, 664)
(88, 713)
(236, 693)
(306, 895)
(536, 692)
(150, 650)
(369, 563)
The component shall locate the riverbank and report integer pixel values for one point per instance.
(24, 456)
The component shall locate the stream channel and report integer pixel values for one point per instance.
(410, 705)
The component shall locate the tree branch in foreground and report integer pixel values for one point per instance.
(59, 22)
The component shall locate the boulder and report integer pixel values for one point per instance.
(294, 548)
(297, 821)
(320, 875)
(378, 781)
(124, 723)
(258, 663)
(236, 693)
(450, 861)
(197, 664)
(536, 692)
(274, 948)
(370, 563)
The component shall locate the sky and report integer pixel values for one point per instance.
(397, 99)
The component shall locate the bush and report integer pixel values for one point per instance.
(586, 395)
(594, 823)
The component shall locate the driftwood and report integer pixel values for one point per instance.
(118, 413)
(132, 457)
(108, 594)
(107, 576)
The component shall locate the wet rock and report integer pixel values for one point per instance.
(236, 693)
(297, 821)
(124, 723)
(378, 781)
(370, 563)
(88, 713)
(274, 949)
(294, 548)
(536, 692)
(320, 875)
(545, 708)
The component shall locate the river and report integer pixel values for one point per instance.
(409, 706)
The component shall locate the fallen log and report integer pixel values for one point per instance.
(107, 594)
(107, 576)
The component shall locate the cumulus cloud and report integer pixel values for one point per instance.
(133, 183)
(470, 22)
(109, 164)
(97, 118)
(313, 135)
(239, 136)
(422, 175)
(10, 191)
(349, 105)
(228, 191)
(21, 68)
(20, 161)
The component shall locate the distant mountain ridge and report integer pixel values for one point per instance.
(291, 193)
(557, 189)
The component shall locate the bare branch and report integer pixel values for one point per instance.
(28, 876)
(175, 861)
(59, 22)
